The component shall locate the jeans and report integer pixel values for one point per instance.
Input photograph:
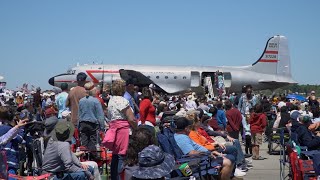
(74, 176)
(240, 155)
(231, 152)
(12, 171)
(88, 135)
(116, 166)
(234, 134)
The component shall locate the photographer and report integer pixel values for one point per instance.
(12, 146)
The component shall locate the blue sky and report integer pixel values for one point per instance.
(39, 39)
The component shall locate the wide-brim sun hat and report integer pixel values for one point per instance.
(63, 131)
(153, 163)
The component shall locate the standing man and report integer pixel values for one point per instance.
(129, 95)
(74, 97)
(246, 103)
(91, 117)
(61, 100)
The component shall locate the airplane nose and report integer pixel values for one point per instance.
(51, 81)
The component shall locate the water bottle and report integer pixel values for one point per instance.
(78, 151)
(98, 150)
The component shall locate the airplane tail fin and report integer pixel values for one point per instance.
(275, 59)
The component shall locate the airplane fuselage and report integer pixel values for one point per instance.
(272, 70)
(172, 79)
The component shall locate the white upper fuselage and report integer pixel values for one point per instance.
(173, 79)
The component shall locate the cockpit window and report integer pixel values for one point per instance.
(71, 71)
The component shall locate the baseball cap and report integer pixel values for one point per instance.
(294, 115)
(182, 123)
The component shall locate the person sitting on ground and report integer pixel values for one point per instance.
(189, 147)
(58, 156)
(140, 139)
(153, 164)
(258, 123)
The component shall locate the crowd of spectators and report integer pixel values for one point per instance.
(131, 119)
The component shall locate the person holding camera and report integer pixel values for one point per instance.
(9, 124)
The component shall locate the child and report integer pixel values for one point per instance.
(258, 123)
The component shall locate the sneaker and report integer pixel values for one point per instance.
(243, 168)
(239, 173)
(249, 166)
(247, 155)
(248, 161)
(259, 158)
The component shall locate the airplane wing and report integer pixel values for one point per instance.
(135, 76)
(140, 79)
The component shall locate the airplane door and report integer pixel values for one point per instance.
(195, 79)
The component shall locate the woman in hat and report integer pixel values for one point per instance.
(140, 139)
(153, 164)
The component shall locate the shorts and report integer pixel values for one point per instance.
(256, 139)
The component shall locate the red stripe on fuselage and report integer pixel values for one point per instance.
(269, 60)
(271, 52)
(94, 79)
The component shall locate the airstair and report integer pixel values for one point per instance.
(208, 83)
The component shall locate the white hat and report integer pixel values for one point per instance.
(172, 106)
(162, 102)
(281, 104)
(49, 102)
(181, 113)
(65, 113)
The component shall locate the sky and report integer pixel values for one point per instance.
(40, 39)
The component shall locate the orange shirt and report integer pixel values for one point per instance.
(201, 140)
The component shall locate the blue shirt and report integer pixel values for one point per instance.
(222, 119)
(61, 103)
(187, 145)
(12, 147)
(131, 103)
(90, 110)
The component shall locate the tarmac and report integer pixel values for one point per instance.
(268, 169)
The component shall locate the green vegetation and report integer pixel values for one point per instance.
(301, 89)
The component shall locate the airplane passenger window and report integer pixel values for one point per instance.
(175, 77)
(157, 77)
(148, 77)
(184, 77)
(166, 77)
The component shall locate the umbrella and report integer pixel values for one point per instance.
(296, 96)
